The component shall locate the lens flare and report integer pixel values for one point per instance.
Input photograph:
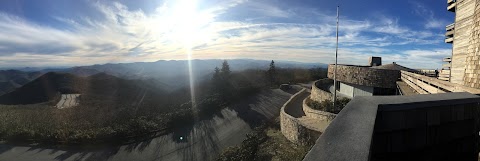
(191, 76)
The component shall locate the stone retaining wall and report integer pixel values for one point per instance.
(322, 115)
(365, 76)
(291, 127)
(320, 90)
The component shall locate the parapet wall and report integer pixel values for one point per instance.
(421, 127)
(365, 76)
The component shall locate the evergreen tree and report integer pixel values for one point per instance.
(216, 80)
(225, 70)
(216, 75)
(224, 86)
(272, 73)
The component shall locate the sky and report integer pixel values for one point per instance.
(52, 33)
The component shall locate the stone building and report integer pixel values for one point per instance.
(354, 80)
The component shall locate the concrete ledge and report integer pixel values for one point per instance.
(360, 129)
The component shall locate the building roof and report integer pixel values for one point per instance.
(394, 66)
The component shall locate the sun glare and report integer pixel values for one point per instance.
(187, 29)
(189, 23)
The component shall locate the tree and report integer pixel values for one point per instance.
(225, 72)
(216, 80)
(224, 88)
(272, 73)
(216, 75)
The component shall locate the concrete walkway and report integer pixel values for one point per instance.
(406, 89)
(295, 109)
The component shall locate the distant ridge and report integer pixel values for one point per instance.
(98, 87)
(165, 74)
(44, 88)
(12, 79)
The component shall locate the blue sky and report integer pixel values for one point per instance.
(84, 32)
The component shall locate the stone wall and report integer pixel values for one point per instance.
(365, 76)
(321, 115)
(472, 71)
(320, 90)
(291, 127)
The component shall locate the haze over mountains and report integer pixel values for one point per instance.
(98, 88)
(11, 79)
(167, 75)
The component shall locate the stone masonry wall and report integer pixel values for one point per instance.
(291, 127)
(318, 94)
(322, 115)
(472, 72)
(365, 76)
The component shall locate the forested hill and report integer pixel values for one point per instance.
(99, 87)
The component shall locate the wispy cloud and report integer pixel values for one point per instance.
(428, 15)
(124, 35)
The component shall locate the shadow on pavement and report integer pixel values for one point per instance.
(203, 140)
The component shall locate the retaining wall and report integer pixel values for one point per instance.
(321, 115)
(320, 90)
(292, 128)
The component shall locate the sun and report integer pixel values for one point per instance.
(189, 25)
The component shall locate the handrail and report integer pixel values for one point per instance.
(446, 86)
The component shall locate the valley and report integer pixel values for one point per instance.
(64, 115)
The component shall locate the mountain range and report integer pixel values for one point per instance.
(99, 87)
(167, 75)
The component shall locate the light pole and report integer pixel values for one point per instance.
(335, 68)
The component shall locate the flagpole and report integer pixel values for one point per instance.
(335, 70)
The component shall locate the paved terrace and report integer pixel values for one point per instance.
(421, 127)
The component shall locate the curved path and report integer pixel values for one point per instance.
(295, 109)
(204, 141)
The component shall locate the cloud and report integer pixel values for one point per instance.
(119, 34)
(428, 15)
